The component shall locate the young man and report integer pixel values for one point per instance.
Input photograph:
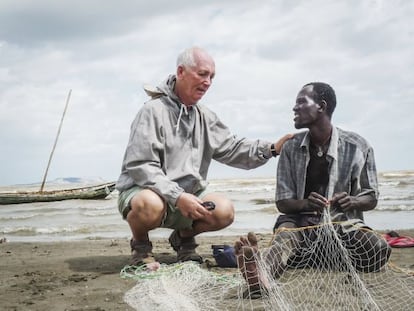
(172, 143)
(323, 166)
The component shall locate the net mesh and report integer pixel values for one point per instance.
(181, 286)
(323, 269)
(332, 266)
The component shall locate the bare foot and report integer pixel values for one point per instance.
(246, 250)
(153, 266)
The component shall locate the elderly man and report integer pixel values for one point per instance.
(172, 142)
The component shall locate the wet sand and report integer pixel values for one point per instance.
(84, 275)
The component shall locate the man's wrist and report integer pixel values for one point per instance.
(273, 150)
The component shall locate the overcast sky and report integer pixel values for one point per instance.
(264, 51)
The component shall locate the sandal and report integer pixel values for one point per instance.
(141, 252)
(185, 247)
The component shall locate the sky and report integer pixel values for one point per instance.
(265, 51)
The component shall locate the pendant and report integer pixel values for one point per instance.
(320, 152)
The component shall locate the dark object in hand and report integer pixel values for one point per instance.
(209, 205)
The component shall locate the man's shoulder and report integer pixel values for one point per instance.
(296, 141)
(151, 109)
(352, 138)
(154, 103)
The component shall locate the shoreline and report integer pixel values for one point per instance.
(263, 220)
(85, 274)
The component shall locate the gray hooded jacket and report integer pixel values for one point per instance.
(171, 146)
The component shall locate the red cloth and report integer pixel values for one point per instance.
(395, 240)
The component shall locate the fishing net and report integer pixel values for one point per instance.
(180, 287)
(321, 271)
(325, 268)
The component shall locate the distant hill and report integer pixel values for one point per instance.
(65, 181)
(77, 180)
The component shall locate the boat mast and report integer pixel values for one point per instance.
(56, 139)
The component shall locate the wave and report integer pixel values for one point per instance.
(395, 207)
(392, 174)
(82, 229)
(243, 185)
(98, 207)
(243, 188)
(100, 213)
(389, 183)
(397, 197)
(400, 184)
(19, 217)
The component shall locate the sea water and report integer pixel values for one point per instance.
(253, 199)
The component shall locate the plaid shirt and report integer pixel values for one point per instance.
(351, 167)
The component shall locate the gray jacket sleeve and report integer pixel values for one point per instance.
(237, 152)
(142, 157)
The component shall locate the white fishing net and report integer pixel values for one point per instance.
(327, 268)
(323, 271)
(179, 287)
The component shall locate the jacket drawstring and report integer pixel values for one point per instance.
(183, 107)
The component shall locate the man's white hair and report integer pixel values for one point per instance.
(186, 58)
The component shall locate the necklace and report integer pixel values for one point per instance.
(320, 152)
(322, 147)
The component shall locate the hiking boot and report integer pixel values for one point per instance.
(141, 252)
(185, 247)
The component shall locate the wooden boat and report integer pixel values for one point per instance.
(95, 192)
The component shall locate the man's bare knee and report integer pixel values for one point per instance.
(223, 214)
(147, 206)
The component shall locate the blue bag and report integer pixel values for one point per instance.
(224, 256)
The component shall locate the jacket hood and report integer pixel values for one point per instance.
(165, 88)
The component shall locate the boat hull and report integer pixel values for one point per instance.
(85, 193)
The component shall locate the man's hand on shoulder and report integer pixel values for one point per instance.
(276, 148)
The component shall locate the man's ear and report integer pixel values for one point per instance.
(180, 70)
(322, 106)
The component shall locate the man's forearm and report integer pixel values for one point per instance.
(366, 202)
(292, 206)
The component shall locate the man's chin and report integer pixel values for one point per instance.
(192, 103)
(299, 126)
(196, 99)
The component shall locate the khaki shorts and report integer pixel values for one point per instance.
(173, 218)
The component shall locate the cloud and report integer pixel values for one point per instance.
(46, 21)
(264, 53)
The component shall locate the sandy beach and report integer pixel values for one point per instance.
(85, 275)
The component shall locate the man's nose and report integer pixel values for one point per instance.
(207, 81)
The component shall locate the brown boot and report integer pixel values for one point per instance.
(185, 247)
(141, 252)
